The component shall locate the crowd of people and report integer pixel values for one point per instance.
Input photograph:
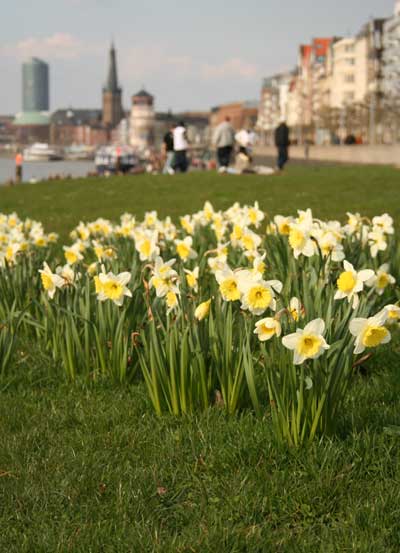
(233, 153)
(233, 149)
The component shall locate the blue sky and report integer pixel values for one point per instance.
(190, 54)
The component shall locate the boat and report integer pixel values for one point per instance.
(41, 151)
(78, 152)
(111, 159)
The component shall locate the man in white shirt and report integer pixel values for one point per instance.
(180, 148)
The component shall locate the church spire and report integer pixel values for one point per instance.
(112, 79)
(112, 94)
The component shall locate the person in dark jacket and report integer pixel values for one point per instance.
(282, 143)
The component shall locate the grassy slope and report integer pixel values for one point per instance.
(93, 470)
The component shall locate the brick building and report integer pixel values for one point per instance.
(242, 114)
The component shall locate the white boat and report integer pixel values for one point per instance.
(79, 152)
(41, 151)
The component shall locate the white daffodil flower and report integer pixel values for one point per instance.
(351, 282)
(112, 287)
(51, 281)
(267, 328)
(381, 280)
(371, 332)
(308, 343)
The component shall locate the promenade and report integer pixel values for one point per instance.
(361, 154)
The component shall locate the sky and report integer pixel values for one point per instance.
(190, 54)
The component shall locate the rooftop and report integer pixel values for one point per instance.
(32, 118)
(71, 116)
(143, 94)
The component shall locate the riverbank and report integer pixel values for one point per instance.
(43, 170)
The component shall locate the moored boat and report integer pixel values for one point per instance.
(41, 151)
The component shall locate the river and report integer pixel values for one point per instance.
(41, 170)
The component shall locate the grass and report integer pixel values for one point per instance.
(92, 469)
(330, 191)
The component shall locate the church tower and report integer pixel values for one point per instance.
(112, 94)
(397, 8)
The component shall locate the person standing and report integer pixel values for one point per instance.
(282, 143)
(168, 145)
(180, 148)
(242, 138)
(224, 139)
(18, 167)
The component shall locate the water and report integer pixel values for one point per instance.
(41, 170)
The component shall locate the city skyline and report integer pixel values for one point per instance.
(183, 55)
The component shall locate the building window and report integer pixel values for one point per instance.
(348, 96)
(349, 78)
(349, 48)
(351, 61)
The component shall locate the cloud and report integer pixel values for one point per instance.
(235, 67)
(58, 46)
(146, 61)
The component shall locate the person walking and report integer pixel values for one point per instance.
(168, 145)
(180, 148)
(18, 167)
(224, 139)
(282, 143)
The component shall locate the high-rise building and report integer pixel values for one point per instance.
(35, 85)
(112, 94)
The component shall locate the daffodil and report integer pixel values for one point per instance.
(202, 310)
(354, 222)
(50, 281)
(381, 280)
(308, 343)
(192, 278)
(164, 277)
(72, 254)
(301, 242)
(283, 224)
(228, 284)
(184, 248)
(371, 332)
(67, 273)
(113, 287)
(187, 224)
(351, 282)
(150, 219)
(171, 299)
(258, 295)
(384, 223)
(146, 245)
(11, 252)
(250, 241)
(254, 215)
(392, 313)
(267, 328)
(83, 231)
(377, 242)
(295, 309)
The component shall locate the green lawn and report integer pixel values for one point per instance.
(330, 191)
(91, 469)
